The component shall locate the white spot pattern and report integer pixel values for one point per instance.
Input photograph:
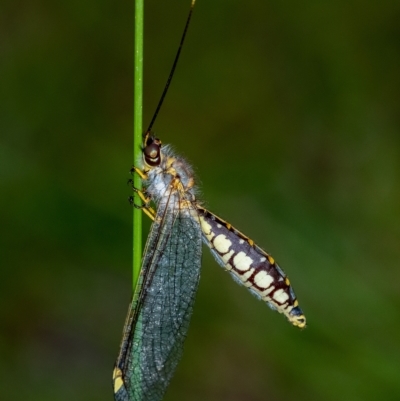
(262, 279)
(247, 275)
(222, 244)
(280, 296)
(227, 256)
(207, 229)
(268, 291)
(241, 261)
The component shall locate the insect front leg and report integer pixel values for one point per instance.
(142, 174)
(146, 208)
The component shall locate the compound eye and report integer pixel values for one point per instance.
(151, 152)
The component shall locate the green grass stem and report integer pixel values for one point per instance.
(137, 136)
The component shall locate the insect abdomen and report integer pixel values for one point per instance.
(250, 266)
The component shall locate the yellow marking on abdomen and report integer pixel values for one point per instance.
(299, 321)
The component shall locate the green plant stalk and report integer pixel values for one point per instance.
(137, 136)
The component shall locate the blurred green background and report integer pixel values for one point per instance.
(289, 112)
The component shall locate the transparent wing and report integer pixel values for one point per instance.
(159, 315)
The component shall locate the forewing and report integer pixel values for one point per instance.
(158, 320)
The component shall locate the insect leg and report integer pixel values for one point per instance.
(146, 201)
(141, 173)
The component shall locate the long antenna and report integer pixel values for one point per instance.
(171, 74)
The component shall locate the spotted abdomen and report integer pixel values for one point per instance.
(251, 266)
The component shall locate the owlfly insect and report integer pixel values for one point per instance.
(162, 304)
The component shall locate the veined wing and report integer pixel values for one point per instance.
(159, 315)
(251, 266)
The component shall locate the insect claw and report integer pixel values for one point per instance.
(132, 203)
